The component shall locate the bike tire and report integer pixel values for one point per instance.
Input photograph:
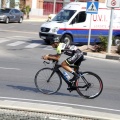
(45, 87)
(96, 85)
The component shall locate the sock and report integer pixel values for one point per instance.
(75, 74)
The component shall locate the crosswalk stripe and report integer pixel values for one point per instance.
(16, 43)
(32, 45)
(2, 41)
(49, 48)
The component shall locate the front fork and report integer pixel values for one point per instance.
(51, 76)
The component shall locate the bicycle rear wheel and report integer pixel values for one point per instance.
(46, 85)
(89, 85)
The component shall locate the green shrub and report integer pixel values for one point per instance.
(24, 11)
(102, 46)
(28, 9)
(118, 49)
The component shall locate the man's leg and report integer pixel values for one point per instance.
(69, 69)
(66, 66)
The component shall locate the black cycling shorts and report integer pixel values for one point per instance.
(75, 59)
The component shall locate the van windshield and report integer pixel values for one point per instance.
(64, 15)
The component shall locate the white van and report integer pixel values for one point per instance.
(72, 24)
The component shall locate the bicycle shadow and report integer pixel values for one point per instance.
(24, 88)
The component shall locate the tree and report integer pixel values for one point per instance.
(3, 3)
(28, 9)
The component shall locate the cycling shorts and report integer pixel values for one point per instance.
(75, 59)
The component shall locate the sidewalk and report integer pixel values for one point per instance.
(38, 111)
(36, 18)
(88, 52)
(111, 55)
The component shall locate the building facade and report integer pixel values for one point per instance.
(10, 3)
(46, 7)
(41, 7)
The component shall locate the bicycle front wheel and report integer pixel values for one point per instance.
(89, 85)
(46, 84)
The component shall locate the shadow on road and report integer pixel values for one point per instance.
(24, 88)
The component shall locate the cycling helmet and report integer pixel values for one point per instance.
(55, 40)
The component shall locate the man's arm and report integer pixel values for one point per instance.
(51, 57)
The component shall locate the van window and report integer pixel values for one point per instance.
(64, 15)
(80, 17)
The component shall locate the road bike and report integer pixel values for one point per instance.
(48, 80)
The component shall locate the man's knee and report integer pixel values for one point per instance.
(63, 64)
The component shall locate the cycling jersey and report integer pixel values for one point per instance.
(67, 49)
(76, 55)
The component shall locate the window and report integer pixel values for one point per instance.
(16, 11)
(64, 15)
(80, 17)
(12, 11)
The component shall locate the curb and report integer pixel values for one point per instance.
(34, 20)
(104, 56)
(56, 110)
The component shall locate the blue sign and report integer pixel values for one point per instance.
(92, 7)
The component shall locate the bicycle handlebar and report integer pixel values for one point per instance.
(48, 62)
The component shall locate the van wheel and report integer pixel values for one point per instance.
(7, 20)
(117, 40)
(47, 41)
(66, 39)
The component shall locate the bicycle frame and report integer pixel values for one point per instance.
(84, 82)
(56, 69)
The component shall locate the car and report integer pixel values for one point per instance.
(11, 15)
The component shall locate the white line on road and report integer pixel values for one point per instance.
(60, 103)
(10, 68)
(49, 48)
(2, 41)
(20, 31)
(21, 37)
(32, 45)
(16, 43)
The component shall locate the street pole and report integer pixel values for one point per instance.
(110, 32)
(89, 35)
(54, 6)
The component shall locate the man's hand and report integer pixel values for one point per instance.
(45, 57)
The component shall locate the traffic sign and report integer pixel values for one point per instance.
(113, 3)
(92, 7)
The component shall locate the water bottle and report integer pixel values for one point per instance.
(67, 77)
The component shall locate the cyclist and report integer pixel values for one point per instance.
(76, 56)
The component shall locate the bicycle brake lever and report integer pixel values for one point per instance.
(45, 62)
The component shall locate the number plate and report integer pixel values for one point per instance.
(43, 37)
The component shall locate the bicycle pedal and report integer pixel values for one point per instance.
(71, 88)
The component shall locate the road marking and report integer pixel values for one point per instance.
(16, 43)
(2, 41)
(20, 31)
(21, 37)
(32, 45)
(49, 48)
(60, 103)
(9, 68)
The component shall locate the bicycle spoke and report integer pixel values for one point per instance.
(92, 85)
(45, 86)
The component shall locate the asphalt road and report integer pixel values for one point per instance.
(19, 64)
